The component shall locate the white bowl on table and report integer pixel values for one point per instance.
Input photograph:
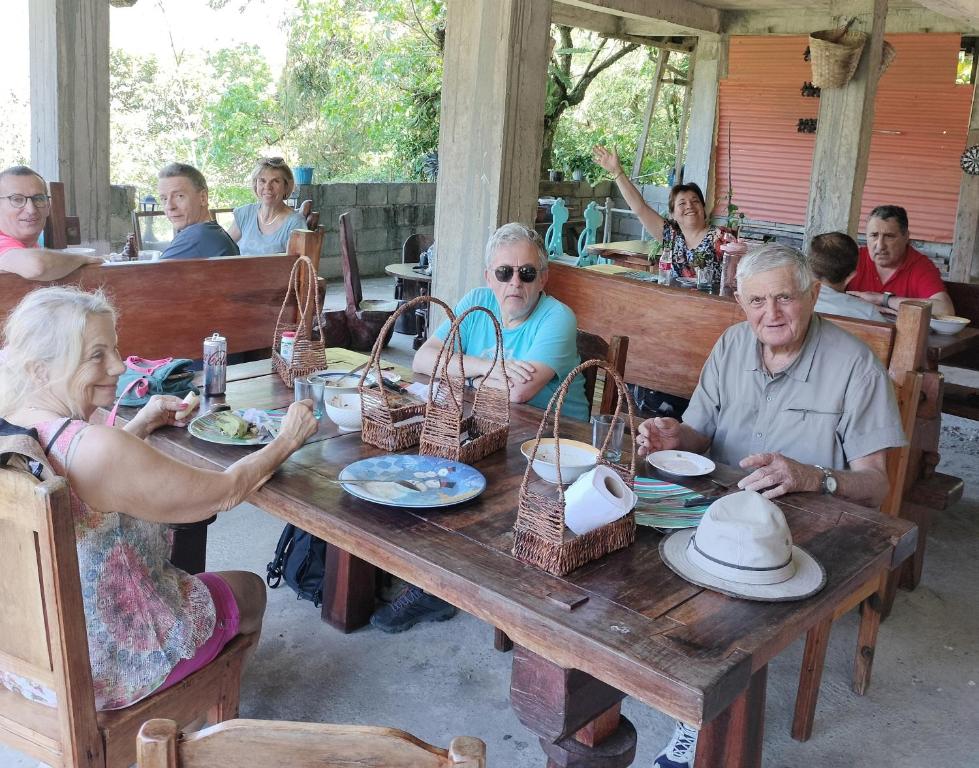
(576, 459)
(343, 408)
(948, 324)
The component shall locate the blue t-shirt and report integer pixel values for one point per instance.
(255, 242)
(201, 241)
(549, 336)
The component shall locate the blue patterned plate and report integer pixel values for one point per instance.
(439, 482)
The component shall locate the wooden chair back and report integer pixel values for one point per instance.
(262, 743)
(614, 351)
(312, 217)
(43, 640)
(414, 246)
(165, 308)
(56, 226)
(348, 262)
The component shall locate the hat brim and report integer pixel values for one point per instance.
(809, 578)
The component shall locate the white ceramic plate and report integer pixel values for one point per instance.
(681, 463)
(205, 428)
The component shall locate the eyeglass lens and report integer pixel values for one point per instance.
(526, 273)
(19, 201)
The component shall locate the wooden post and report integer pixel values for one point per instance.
(492, 129)
(964, 265)
(661, 61)
(839, 162)
(681, 135)
(709, 67)
(69, 52)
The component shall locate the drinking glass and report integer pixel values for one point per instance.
(612, 426)
(309, 390)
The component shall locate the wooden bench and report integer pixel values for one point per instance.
(167, 307)
(960, 400)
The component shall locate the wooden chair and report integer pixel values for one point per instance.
(261, 743)
(591, 347)
(43, 639)
(152, 229)
(364, 319)
(405, 290)
(872, 596)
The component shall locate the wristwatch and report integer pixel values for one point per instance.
(885, 300)
(829, 480)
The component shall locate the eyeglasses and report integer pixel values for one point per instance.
(273, 162)
(782, 299)
(19, 201)
(526, 273)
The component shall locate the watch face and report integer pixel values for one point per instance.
(830, 484)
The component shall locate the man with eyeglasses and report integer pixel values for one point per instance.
(793, 398)
(24, 206)
(539, 343)
(182, 190)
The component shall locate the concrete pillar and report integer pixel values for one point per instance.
(846, 117)
(964, 265)
(492, 128)
(709, 66)
(69, 50)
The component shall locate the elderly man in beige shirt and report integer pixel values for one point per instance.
(789, 396)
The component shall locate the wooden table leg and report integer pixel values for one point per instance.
(734, 738)
(349, 584)
(576, 717)
(189, 548)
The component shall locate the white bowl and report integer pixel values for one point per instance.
(343, 409)
(948, 324)
(576, 459)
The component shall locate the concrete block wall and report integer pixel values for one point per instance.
(625, 226)
(383, 216)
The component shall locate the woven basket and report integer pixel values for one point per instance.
(835, 54)
(540, 536)
(887, 55)
(308, 354)
(386, 425)
(488, 426)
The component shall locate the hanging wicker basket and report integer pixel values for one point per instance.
(387, 423)
(540, 536)
(834, 55)
(308, 354)
(447, 432)
(887, 55)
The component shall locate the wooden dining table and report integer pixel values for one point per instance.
(629, 253)
(621, 625)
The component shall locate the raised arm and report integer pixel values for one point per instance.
(113, 470)
(651, 220)
(43, 263)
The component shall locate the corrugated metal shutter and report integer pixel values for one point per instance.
(920, 129)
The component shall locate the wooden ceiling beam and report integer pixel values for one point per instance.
(804, 21)
(966, 11)
(681, 14)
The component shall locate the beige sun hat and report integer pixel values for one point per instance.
(743, 548)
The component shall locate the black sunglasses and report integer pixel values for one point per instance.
(526, 273)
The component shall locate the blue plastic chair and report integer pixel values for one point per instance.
(554, 238)
(593, 220)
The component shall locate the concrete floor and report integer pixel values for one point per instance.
(442, 680)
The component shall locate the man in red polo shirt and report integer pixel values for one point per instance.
(890, 271)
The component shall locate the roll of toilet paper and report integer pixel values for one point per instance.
(597, 497)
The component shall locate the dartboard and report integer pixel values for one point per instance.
(970, 160)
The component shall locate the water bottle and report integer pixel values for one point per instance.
(665, 269)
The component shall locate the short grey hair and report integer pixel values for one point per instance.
(22, 170)
(174, 170)
(511, 234)
(774, 256)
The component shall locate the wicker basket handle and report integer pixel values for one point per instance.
(374, 364)
(557, 402)
(448, 350)
(302, 306)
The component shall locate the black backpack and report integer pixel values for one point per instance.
(300, 558)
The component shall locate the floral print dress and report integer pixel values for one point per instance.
(684, 257)
(143, 615)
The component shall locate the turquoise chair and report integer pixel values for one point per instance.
(593, 220)
(554, 239)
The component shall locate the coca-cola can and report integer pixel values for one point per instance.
(215, 364)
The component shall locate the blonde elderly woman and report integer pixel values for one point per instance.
(149, 624)
(265, 226)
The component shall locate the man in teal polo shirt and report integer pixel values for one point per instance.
(540, 345)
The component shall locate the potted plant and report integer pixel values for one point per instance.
(579, 163)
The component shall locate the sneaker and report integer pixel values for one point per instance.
(679, 753)
(410, 607)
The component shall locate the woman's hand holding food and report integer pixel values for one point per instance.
(160, 411)
(298, 425)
